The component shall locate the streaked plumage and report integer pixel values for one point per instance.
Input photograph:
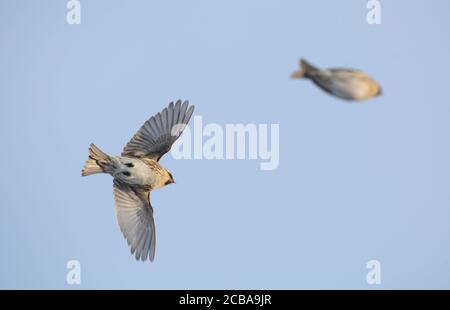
(346, 84)
(137, 172)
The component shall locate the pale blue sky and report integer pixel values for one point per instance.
(355, 182)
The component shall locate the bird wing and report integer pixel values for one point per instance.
(135, 217)
(324, 81)
(156, 136)
(340, 70)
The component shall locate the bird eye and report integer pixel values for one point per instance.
(126, 173)
(129, 165)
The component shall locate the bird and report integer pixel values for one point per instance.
(137, 172)
(347, 84)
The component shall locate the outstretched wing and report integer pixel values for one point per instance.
(135, 217)
(156, 136)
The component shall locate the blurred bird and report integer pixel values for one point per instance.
(346, 84)
(137, 172)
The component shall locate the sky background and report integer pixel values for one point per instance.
(356, 182)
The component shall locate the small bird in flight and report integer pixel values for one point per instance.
(348, 84)
(137, 172)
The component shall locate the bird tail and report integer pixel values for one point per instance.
(97, 159)
(305, 69)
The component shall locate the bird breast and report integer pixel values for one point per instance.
(133, 171)
(352, 85)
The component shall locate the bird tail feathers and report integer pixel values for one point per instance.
(92, 165)
(305, 69)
